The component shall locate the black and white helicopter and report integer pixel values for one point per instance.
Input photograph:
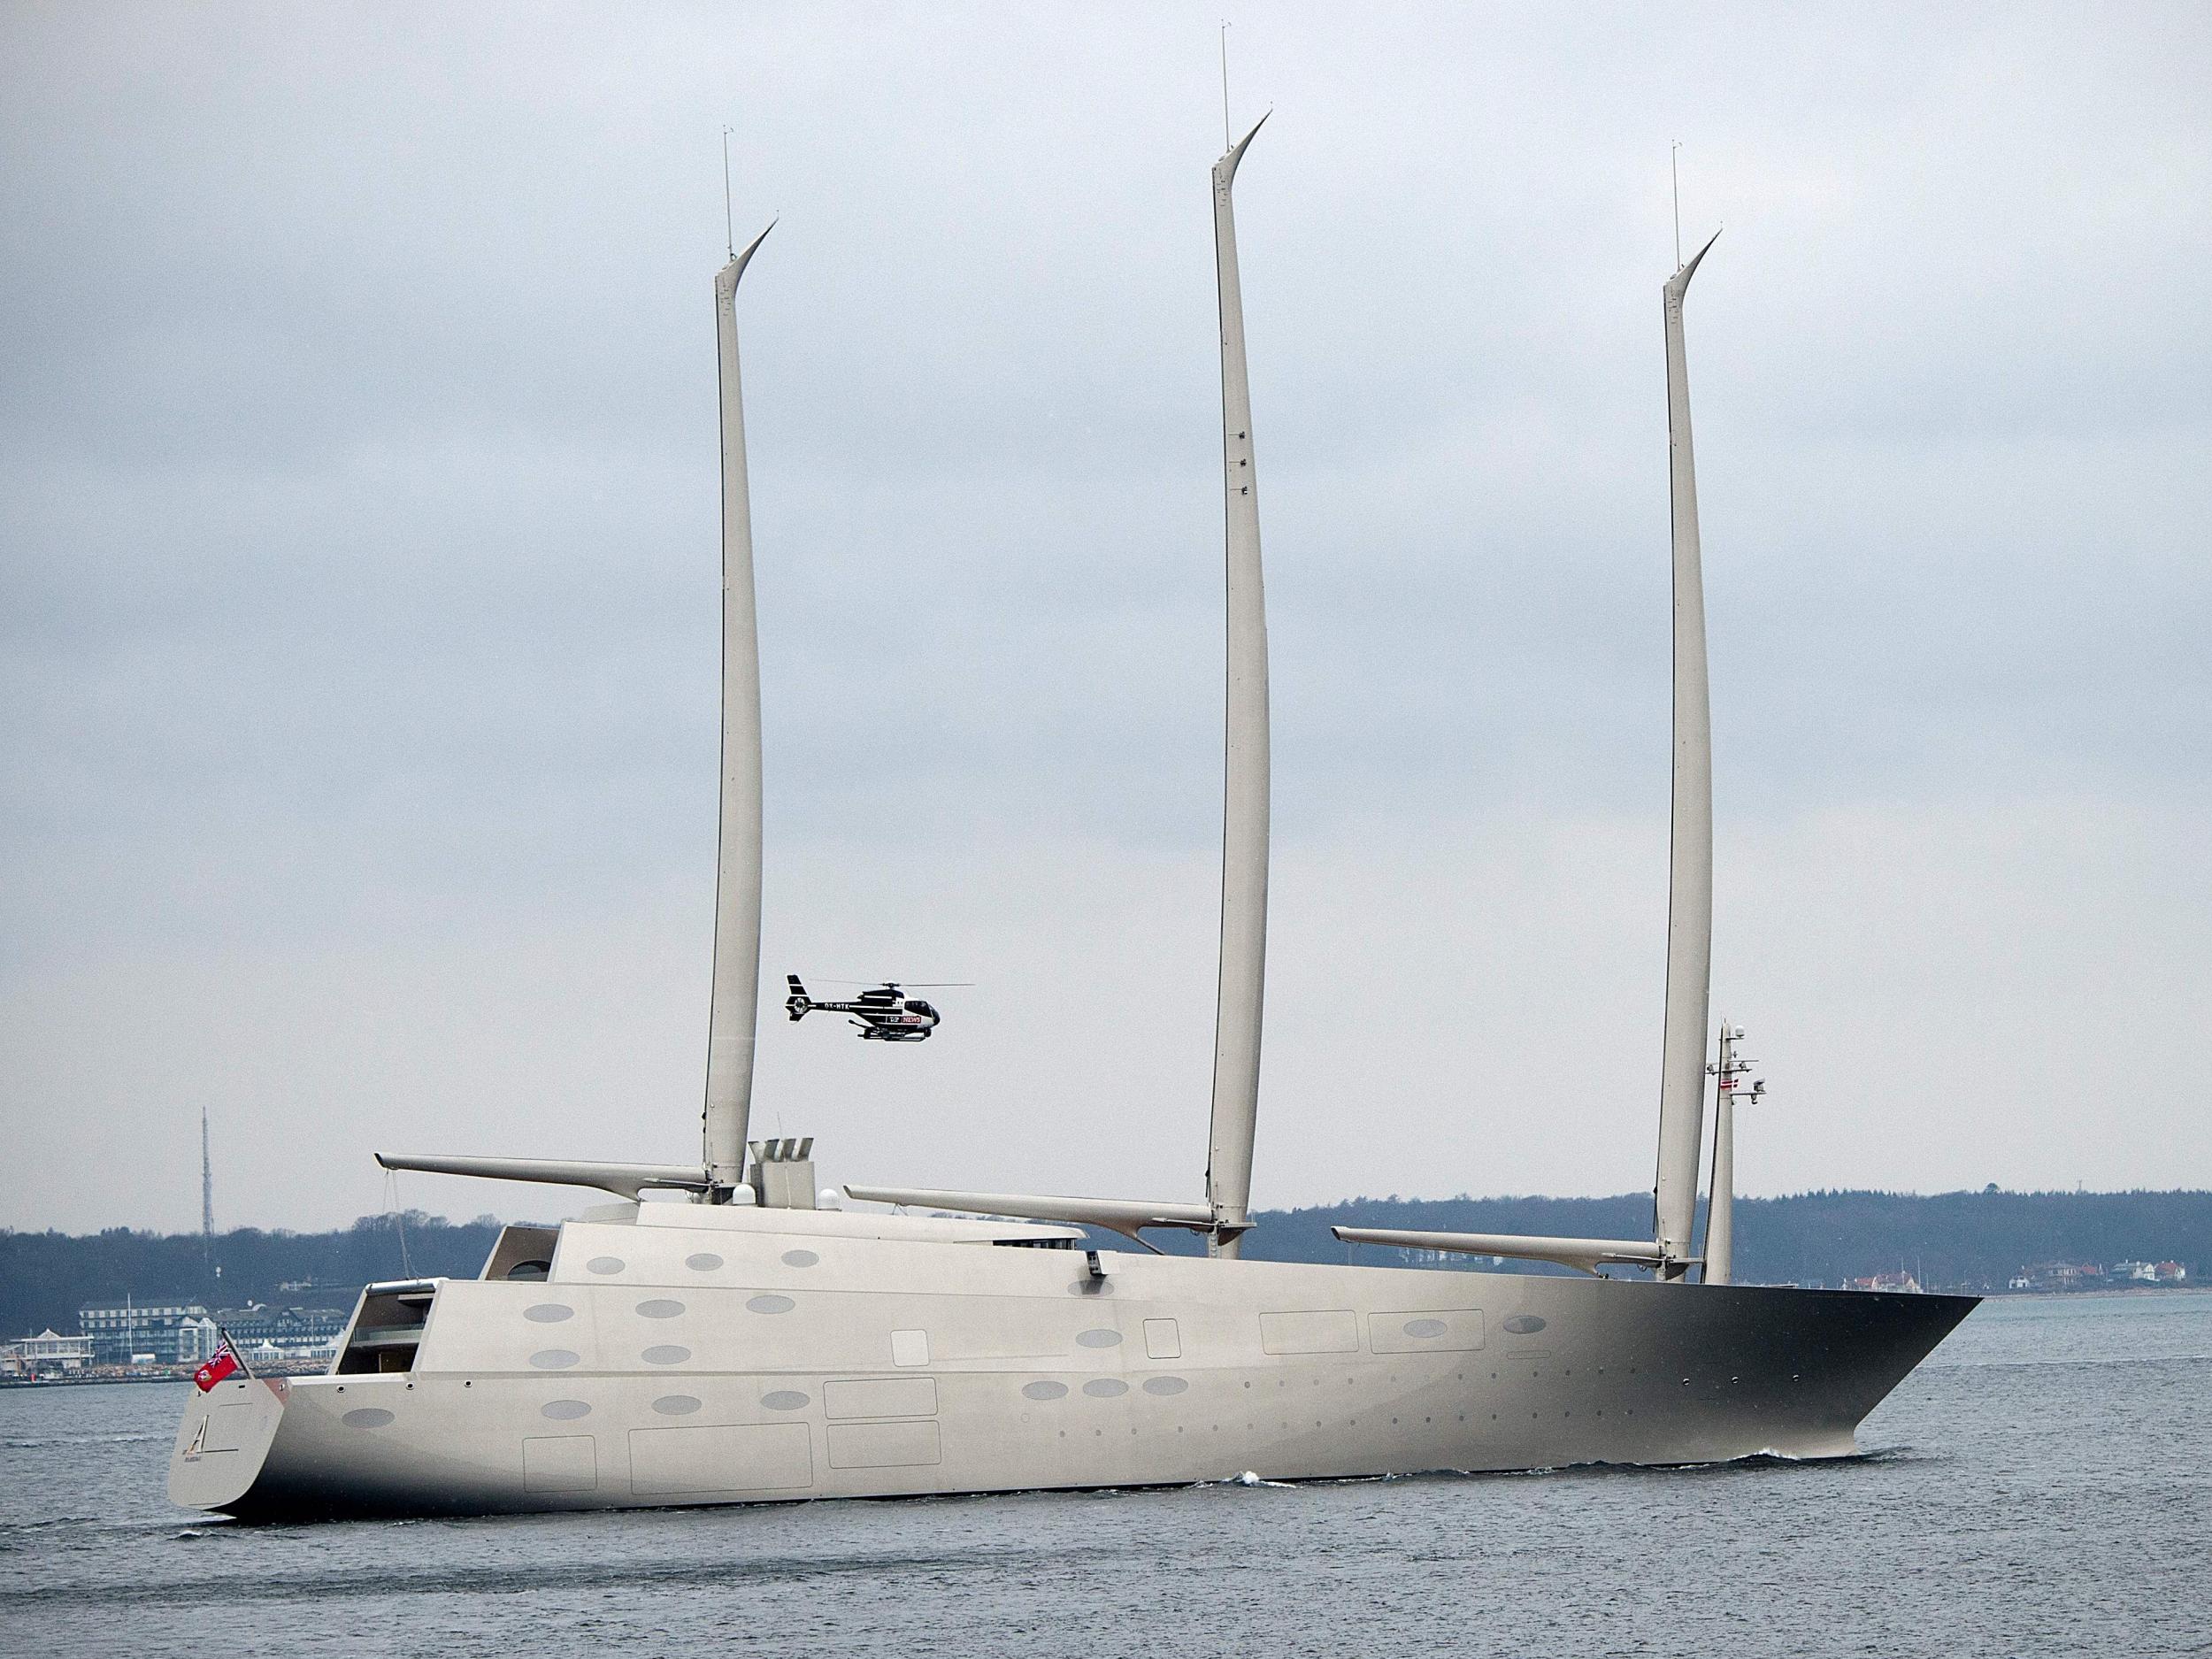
(885, 1014)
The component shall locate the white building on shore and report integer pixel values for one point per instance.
(161, 1331)
(48, 1354)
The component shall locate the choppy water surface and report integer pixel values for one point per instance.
(2042, 1486)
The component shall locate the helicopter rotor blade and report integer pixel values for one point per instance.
(933, 984)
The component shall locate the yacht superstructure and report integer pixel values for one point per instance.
(741, 1345)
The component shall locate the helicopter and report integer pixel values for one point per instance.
(884, 1014)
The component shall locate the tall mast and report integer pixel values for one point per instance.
(736, 996)
(1690, 875)
(1244, 825)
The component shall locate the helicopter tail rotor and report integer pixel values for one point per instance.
(798, 1003)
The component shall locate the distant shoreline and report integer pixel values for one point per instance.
(2189, 1289)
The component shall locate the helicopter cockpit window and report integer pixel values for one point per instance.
(922, 1008)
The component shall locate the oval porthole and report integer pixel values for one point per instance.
(530, 1273)
(565, 1410)
(1525, 1324)
(547, 1313)
(553, 1359)
(659, 1308)
(1164, 1384)
(1046, 1390)
(1425, 1327)
(367, 1417)
(1098, 1339)
(800, 1258)
(772, 1304)
(705, 1261)
(667, 1354)
(785, 1400)
(675, 1405)
(1105, 1387)
(606, 1264)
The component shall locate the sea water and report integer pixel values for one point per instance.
(2042, 1485)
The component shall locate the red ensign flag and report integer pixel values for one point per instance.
(221, 1366)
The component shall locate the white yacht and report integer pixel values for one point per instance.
(742, 1345)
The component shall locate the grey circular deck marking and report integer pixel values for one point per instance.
(547, 1313)
(1425, 1327)
(552, 1359)
(667, 1354)
(1105, 1387)
(772, 1304)
(367, 1417)
(800, 1258)
(606, 1264)
(705, 1261)
(675, 1405)
(659, 1308)
(1046, 1390)
(1098, 1339)
(1525, 1324)
(565, 1410)
(1164, 1384)
(785, 1400)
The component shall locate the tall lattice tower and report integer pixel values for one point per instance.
(207, 1200)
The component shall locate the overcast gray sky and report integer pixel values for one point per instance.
(358, 642)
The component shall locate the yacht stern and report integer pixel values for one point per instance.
(224, 1439)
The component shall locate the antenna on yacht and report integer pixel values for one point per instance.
(1673, 164)
(1690, 855)
(1245, 791)
(735, 1003)
(1228, 133)
(729, 221)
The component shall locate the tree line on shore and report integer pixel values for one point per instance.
(46, 1277)
(1970, 1241)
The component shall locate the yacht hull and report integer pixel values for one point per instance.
(885, 1367)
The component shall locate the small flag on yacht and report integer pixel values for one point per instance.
(220, 1364)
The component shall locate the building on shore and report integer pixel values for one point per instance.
(174, 1331)
(197, 1340)
(160, 1331)
(48, 1354)
(2151, 1272)
(257, 1326)
(286, 1339)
